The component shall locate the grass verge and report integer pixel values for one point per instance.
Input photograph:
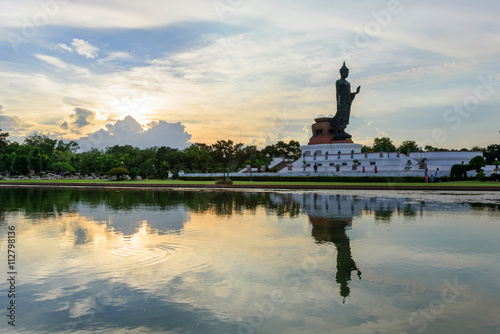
(458, 184)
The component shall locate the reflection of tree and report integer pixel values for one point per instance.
(38, 202)
(408, 210)
(334, 230)
(384, 215)
(489, 207)
(35, 202)
(229, 203)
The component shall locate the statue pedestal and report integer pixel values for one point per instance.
(323, 140)
(331, 148)
(323, 133)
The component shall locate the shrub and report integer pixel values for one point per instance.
(62, 167)
(119, 172)
(459, 172)
(481, 176)
(333, 179)
(494, 177)
(222, 181)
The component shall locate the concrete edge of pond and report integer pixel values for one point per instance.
(256, 186)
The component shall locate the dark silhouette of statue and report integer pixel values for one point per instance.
(334, 231)
(344, 100)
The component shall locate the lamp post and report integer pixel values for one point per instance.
(496, 168)
(267, 160)
(224, 173)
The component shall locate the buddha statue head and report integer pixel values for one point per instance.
(344, 71)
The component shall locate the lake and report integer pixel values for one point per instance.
(125, 261)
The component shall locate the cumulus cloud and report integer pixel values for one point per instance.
(84, 48)
(13, 124)
(124, 127)
(130, 132)
(80, 118)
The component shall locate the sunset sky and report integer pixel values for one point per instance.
(171, 73)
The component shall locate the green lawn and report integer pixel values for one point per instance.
(113, 182)
(276, 183)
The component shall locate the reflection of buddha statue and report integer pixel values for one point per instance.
(344, 100)
(334, 230)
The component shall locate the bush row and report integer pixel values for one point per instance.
(374, 179)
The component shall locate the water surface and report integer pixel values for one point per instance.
(251, 262)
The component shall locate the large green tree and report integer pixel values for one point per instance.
(71, 146)
(408, 145)
(198, 158)
(38, 139)
(21, 164)
(491, 153)
(147, 168)
(3, 139)
(384, 144)
(282, 149)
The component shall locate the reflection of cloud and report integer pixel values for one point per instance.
(129, 131)
(82, 307)
(226, 267)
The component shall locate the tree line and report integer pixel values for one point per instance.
(39, 153)
(490, 153)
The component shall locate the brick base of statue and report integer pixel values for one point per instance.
(323, 133)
